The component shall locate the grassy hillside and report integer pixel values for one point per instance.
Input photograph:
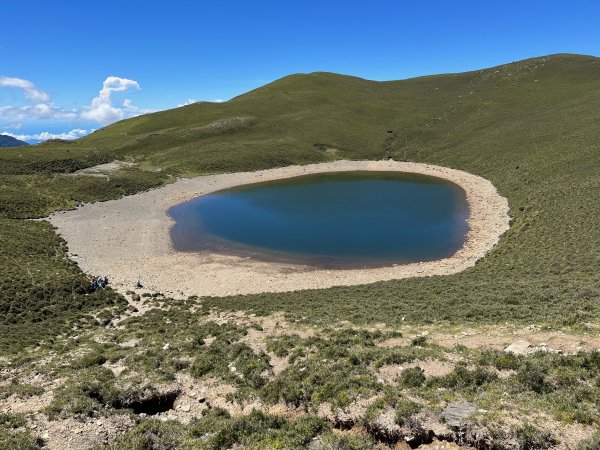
(531, 127)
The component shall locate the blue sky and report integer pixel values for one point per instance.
(71, 65)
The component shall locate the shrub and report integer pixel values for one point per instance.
(412, 377)
(12, 435)
(19, 390)
(591, 443)
(86, 395)
(93, 358)
(500, 360)
(332, 441)
(532, 438)
(419, 341)
(256, 430)
(282, 345)
(236, 362)
(151, 434)
(532, 377)
(461, 377)
(405, 409)
(316, 380)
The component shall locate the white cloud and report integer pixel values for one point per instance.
(42, 107)
(102, 109)
(29, 89)
(189, 101)
(45, 135)
(37, 111)
(103, 113)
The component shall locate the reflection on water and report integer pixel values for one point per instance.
(337, 220)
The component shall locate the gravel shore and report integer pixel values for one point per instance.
(128, 239)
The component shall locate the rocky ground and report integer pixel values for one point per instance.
(158, 379)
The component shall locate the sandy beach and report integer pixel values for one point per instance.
(128, 239)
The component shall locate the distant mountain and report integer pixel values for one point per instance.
(9, 141)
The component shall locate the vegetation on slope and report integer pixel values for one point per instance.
(531, 127)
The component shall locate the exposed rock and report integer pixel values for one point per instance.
(456, 413)
(520, 347)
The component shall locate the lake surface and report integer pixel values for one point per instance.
(333, 220)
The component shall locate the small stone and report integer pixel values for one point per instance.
(186, 408)
(45, 435)
(519, 347)
(201, 399)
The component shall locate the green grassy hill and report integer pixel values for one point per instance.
(531, 127)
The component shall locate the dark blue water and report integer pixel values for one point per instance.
(337, 220)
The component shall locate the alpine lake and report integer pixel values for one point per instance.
(334, 220)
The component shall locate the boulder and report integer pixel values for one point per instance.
(455, 414)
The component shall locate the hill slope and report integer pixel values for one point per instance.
(531, 127)
(9, 141)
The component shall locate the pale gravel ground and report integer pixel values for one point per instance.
(128, 239)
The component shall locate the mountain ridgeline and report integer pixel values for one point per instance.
(457, 119)
(9, 141)
(531, 127)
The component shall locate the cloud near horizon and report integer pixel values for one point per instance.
(102, 109)
(44, 136)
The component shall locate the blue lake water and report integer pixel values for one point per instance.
(335, 220)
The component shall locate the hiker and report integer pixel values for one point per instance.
(94, 283)
(138, 285)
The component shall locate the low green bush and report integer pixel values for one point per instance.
(530, 437)
(533, 377)
(412, 377)
(14, 436)
(20, 390)
(463, 378)
(217, 430)
(404, 410)
(591, 443)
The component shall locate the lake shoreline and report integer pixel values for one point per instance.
(129, 239)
